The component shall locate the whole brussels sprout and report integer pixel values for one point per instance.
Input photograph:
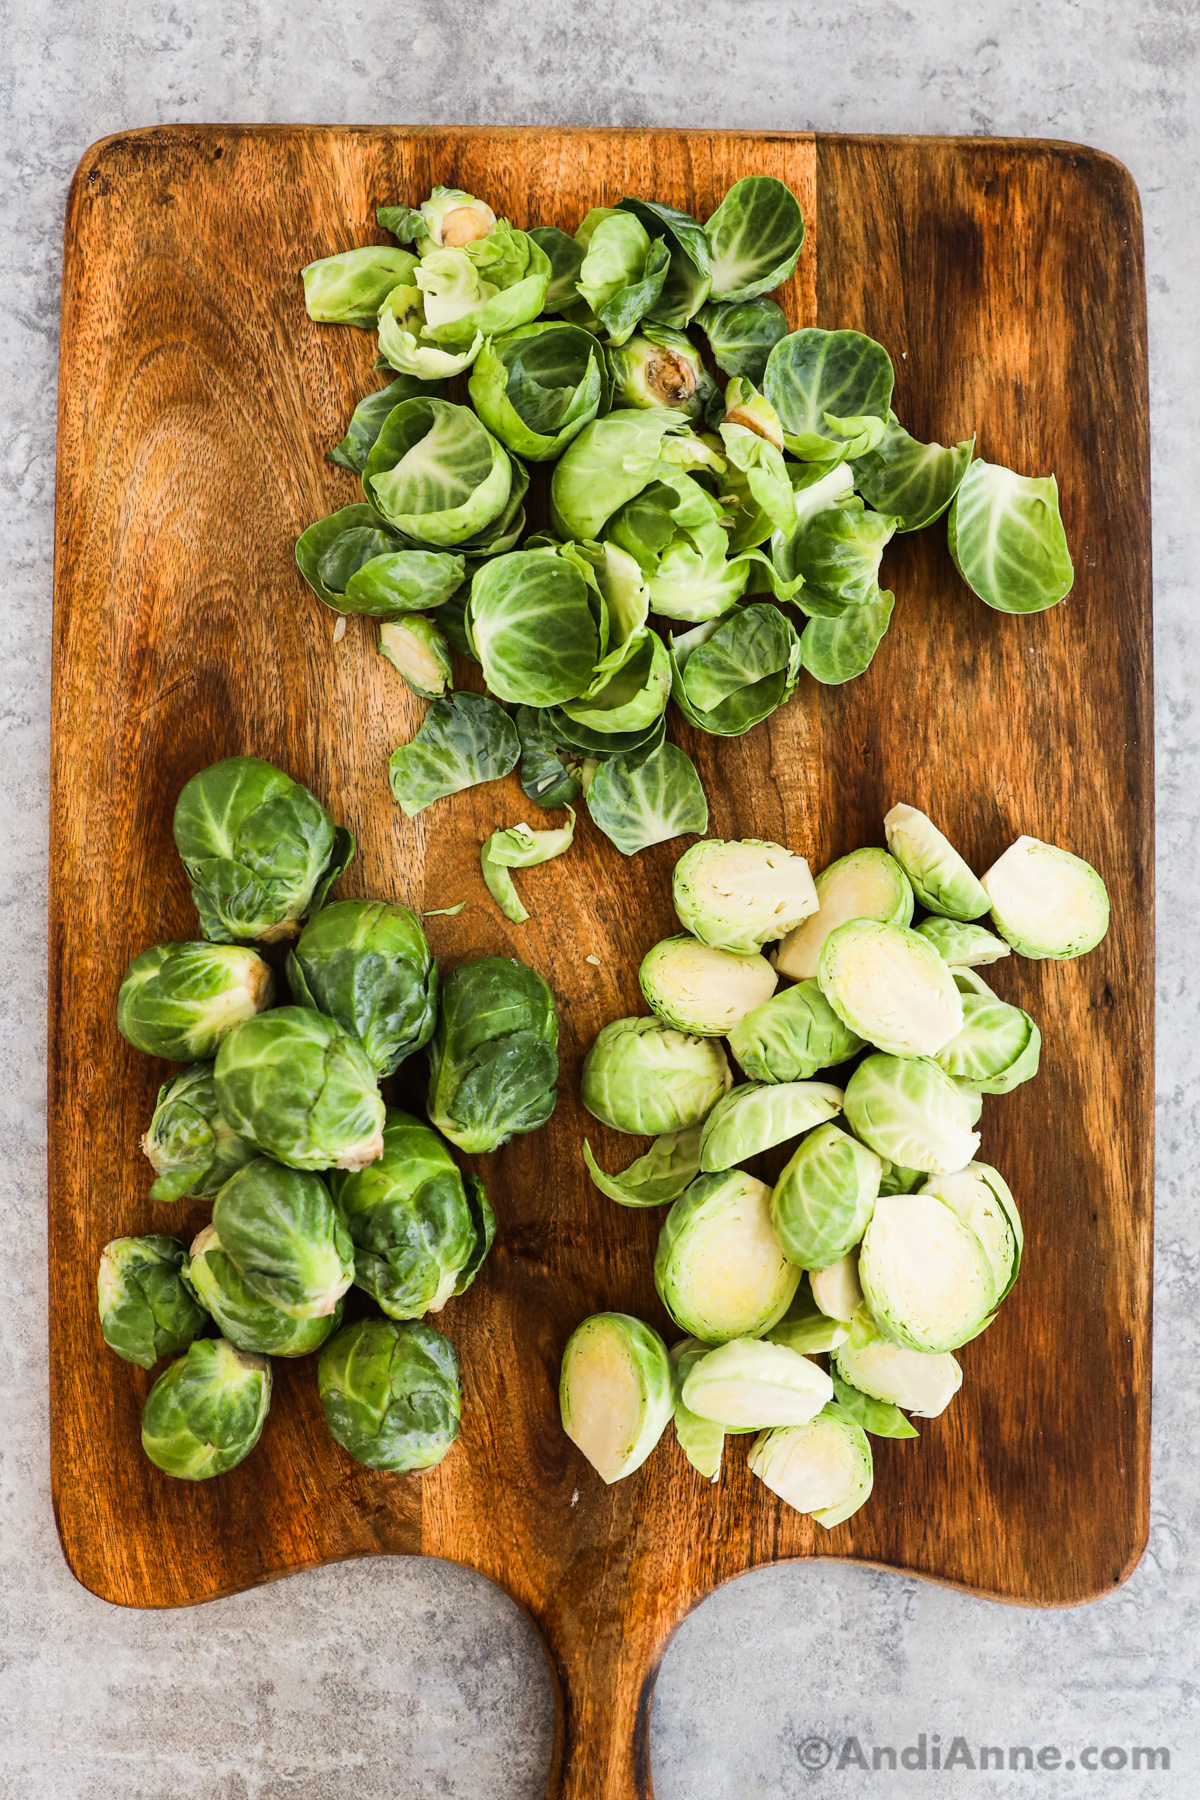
(909, 1111)
(145, 1309)
(1046, 902)
(642, 1077)
(921, 1383)
(891, 987)
(824, 1468)
(824, 1199)
(179, 1001)
(419, 1234)
(285, 1237)
(792, 1036)
(942, 880)
(739, 896)
(204, 1414)
(302, 1089)
(493, 1061)
(191, 1148)
(926, 1276)
(867, 884)
(758, 1115)
(391, 1394)
(747, 1384)
(719, 1269)
(260, 852)
(367, 964)
(616, 1392)
(249, 1322)
(701, 990)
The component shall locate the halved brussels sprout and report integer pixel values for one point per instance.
(436, 473)
(719, 1269)
(747, 1384)
(190, 1147)
(997, 1049)
(1046, 902)
(824, 1468)
(146, 1310)
(867, 884)
(642, 1077)
(741, 895)
(248, 1321)
(660, 367)
(925, 1274)
(962, 945)
(942, 880)
(391, 1394)
(792, 1036)
(367, 964)
(758, 1115)
(804, 1327)
(982, 1199)
(701, 1440)
(908, 1110)
(616, 1392)
(204, 1414)
(493, 1061)
(891, 987)
(837, 1292)
(286, 1239)
(350, 288)
(180, 1001)
(301, 1088)
(660, 1176)
(824, 1199)
(417, 650)
(698, 989)
(918, 1381)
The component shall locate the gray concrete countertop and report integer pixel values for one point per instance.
(402, 1678)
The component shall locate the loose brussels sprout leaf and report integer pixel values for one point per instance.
(824, 1199)
(912, 482)
(740, 895)
(259, 851)
(537, 387)
(333, 550)
(616, 1392)
(1046, 902)
(879, 1417)
(842, 648)
(692, 580)
(742, 334)
(249, 1322)
(696, 988)
(366, 421)
(349, 289)
(285, 1238)
(824, 1468)
(804, 1327)
(300, 1087)
(814, 375)
(597, 746)
(418, 651)
(436, 474)
(749, 449)
(642, 1077)
(970, 981)
(402, 581)
(1007, 539)
(983, 1200)
(481, 288)
(867, 884)
(484, 1221)
(909, 1111)
(738, 672)
(450, 217)
(645, 796)
(610, 462)
(565, 255)
(631, 697)
(414, 1232)
(616, 251)
(997, 1049)
(747, 1383)
(701, 1441)
(179, 1001)
(493, 1063)
(404, 222)
(406, 346)
(759, 1115)
(621, 315)
(921, 1383)
(689, 272)
(660, 1176)
(963, 945)
(205, 1414)
(390, 1393)
(926, 1276)
(520, 847)
(462, 741)
(190, 1147)
(836, 1292)
(660, 367)
(719, 1270)
(796, 1033)
(146, 1310)
(942, 880)
(531, 621)
(745, 708)
(755, 235)
(367, 964)
(837, 552)
(891, 987)
(549, 777)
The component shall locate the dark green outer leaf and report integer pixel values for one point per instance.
(836, 650)
(742, 334)
(484, 1220)
(813, 372)
(404, 581)
(404, 222)
(566, 259)
(320, 538)
(463, 741)
(689, 276)
(531, 622)
(545, 777)
(367, 420)
(912, 482)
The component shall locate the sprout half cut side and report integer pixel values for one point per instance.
(919, 1382)
(1046, 902)
(926, 1276)
(741, 895)
(719, 1269)
(891, 987)
(824, 1468)
(696, 988)
(942, 881)
(867, 884)
(616, 1392)
(749, 1384)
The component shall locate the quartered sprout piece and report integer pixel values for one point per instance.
(824, 1468)
(520, 847)
(942, 880)
(836, 1291)
(616, 1392)
(919, 1382)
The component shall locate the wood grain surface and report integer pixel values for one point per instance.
(196, 404)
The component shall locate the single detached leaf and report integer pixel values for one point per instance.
(912, 482)
(814, 373)
(462, 742)
(837, 649)
(755, 237)
(655, 1179)
(742, 334)
(880, 1417)
(641, 798)
(1007, 539)
(366, 421)
(519, 847)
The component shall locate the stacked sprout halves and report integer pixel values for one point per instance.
(885, 1241)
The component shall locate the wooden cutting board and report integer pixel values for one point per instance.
(196, 403)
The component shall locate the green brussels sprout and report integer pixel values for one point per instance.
(997, 1049)
(881, 1418)
(891, 987)
(367, 964)
(616, 1392)
(981, 1197)
(145, 1308)
(204, 1414)
(755, 237)
(660, 367)
(701, 1440)
(493, 1062)
(921, 1383)
(660, 1176)
(537, 387)
(747, 1384)
(804, 1327)
(719, 1269)
(391, 1393)
(259, 851)
(908, 1110)
(836, 1291)
(436, 474)
(759, 1115)
(701, 990)
(1046, 902)
(417, 650)
(796, 1033)
(350, 288)
(285, 1238)
(941, 879)
(302, 1089)
(190, 1147)
(823, 1200)
(925, 1274)
(249, 1322)
(642, 1077)
(453, 218)
(962, 944)
(739, 896)
(824, 1468)
(867, 884)
(354, 563)
(418, 1238)
(180, 1001)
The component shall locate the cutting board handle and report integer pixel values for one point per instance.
(604, 1678)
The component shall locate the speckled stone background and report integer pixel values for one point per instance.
(402, 1678)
